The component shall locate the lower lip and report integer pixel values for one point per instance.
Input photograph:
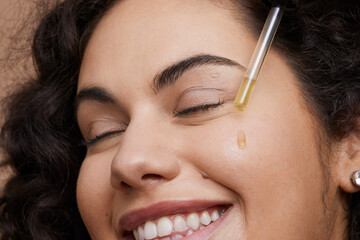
(208, 231)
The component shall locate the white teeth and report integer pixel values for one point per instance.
(141, 233)
(150, 230)
(193, 221)
(205, 218)
(179, 224)
(215, 215)
(176, 237)
(164, 227)
(136, 234)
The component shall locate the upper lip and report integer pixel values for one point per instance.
(134, 218)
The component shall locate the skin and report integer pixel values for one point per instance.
(276, 184)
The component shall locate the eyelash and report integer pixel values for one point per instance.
(97, 138)
(205, 107)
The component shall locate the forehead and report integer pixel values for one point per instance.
(137, 38)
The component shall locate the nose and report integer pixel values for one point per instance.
(145, 156)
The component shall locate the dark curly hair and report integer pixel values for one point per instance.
(42, 142)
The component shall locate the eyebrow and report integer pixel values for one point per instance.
(164, 79)
(97, 94)
(172, 73)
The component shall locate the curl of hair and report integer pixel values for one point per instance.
(40, 137)
(320, 41)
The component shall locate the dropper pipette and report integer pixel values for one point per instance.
(260, 52)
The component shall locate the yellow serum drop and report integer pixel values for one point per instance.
(241, 139)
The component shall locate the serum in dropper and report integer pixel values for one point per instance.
(262, 47)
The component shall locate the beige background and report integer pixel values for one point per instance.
(17, 20)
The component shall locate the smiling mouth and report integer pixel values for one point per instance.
(177, 226)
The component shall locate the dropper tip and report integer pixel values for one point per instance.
(240, 107)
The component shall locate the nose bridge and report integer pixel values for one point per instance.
(145, 155)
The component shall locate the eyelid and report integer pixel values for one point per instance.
(196, 89)
(99, 129)
(195, 109)
(199, 98)
(102, 136)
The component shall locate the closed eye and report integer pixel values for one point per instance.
(102, 136)
(191, 110)
(185, 112)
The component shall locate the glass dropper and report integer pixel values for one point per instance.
(258, 57)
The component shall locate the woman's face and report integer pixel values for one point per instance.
(155, 104)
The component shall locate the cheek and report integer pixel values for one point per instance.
(271, 146)
(278, 167)
(94, 193)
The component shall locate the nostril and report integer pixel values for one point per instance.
(152, 177)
